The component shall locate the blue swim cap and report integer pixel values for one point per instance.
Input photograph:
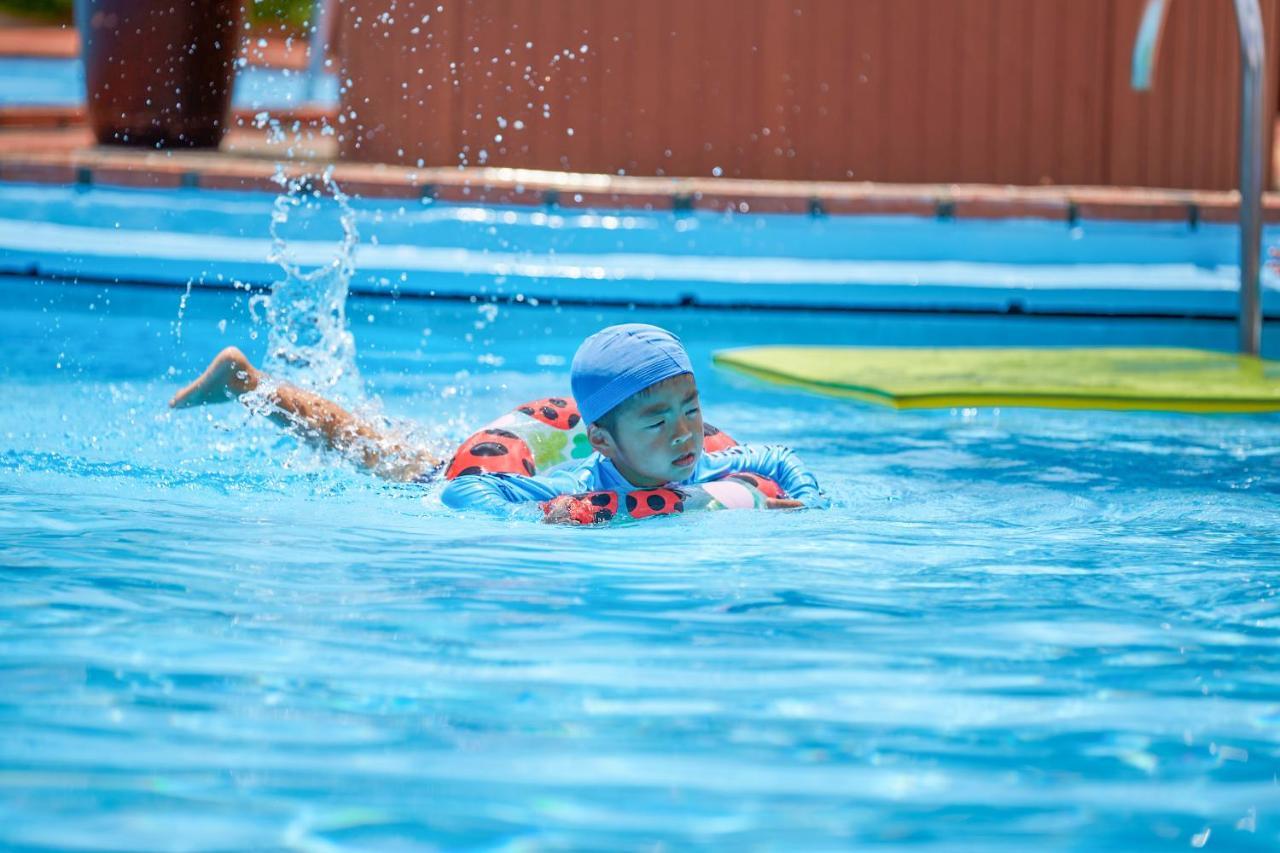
(621, 361)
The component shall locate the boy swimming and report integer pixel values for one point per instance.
(635, 388)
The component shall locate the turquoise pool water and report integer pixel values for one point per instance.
(1016, 629)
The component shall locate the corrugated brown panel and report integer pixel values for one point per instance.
(1174, 132)
(1271, 19)
(646, 91)
(1183, 132)
(685, 128)
(614, 49)
(722, 88)
(774, 97)
(481, 37)
(897, 89)
(1044, 71)
(975, 21)
(383, 56)
(1007, 140)
(1212, 128)
(1005, 91)
(1080, 99)
(801, 112)
(829, 57)
(584, 87)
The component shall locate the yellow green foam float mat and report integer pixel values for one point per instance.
(1145, 378)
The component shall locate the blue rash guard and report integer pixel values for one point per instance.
(496, 493)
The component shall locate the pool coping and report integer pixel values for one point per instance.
(122, 167)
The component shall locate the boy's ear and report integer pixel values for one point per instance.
(601, 441)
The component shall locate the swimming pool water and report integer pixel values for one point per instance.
(1016, 629)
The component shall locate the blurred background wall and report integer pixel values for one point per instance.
(1003, 91)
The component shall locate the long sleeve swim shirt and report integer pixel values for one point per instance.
(496, 493)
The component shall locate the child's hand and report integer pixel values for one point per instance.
(589, 508)
(558, 511)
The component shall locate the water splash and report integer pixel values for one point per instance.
(309, 342)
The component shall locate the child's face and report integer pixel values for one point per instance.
(656, 436)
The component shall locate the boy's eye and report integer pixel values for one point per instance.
(654, 425)
(692, 411)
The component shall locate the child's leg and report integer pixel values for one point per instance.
(231, 375)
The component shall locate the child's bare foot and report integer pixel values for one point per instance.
(227, 377)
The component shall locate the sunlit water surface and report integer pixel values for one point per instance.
(1015, 629)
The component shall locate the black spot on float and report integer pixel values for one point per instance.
(529, 467)
(600, 499)
(489, 448)
(550, 413)
(655, 502)
(708, 429)
(501, 432)
(573, 421)
(558, 401)
(603, 515)
(525, 410)
(679, 506)
(631, 503)
(471, 471)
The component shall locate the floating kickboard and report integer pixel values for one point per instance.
(1145, 378)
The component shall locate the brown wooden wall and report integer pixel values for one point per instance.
(1002, 91)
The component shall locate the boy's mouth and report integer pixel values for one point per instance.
(683, 461)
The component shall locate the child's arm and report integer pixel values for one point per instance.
(778, 463)
(499, 494)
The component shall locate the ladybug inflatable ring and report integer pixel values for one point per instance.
(542, 434)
